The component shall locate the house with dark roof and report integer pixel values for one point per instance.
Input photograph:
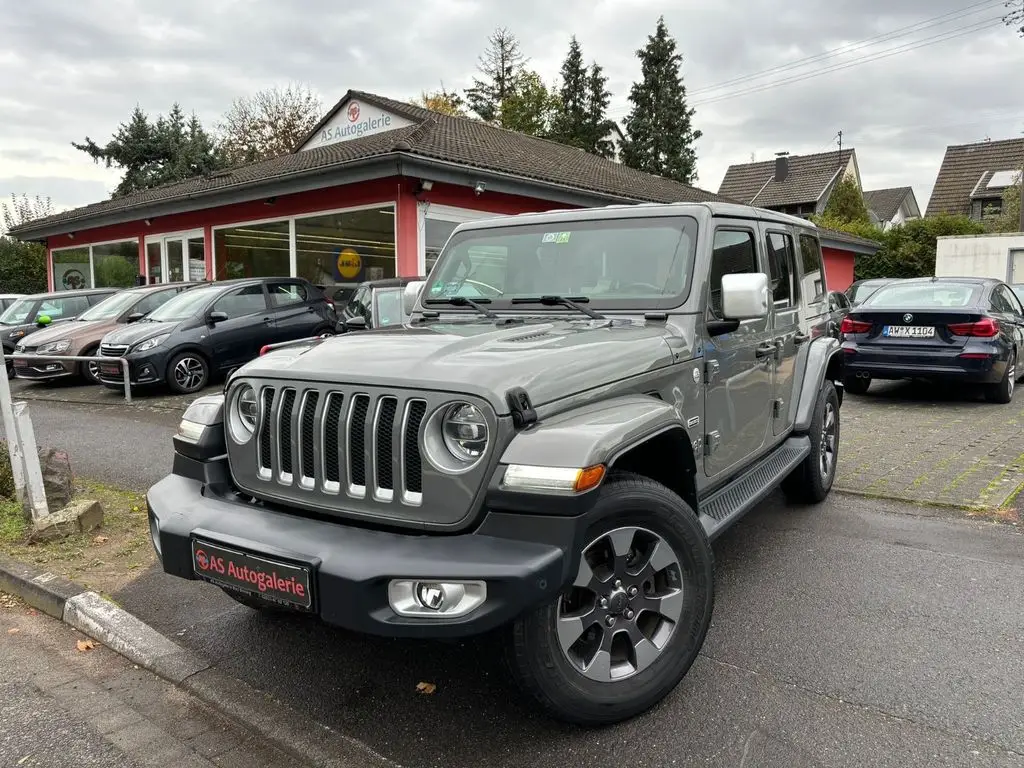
(797, 184)
(372, 192)
(973, 177)
(890, 207)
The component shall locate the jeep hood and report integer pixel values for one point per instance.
(549, 360)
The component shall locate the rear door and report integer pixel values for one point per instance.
(785, 321)
(291, 305)
(249, 326)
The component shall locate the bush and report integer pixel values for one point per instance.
(6, 476)
(22, 266)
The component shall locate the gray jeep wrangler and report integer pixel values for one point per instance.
(581, 402)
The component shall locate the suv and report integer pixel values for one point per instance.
(31, 313)
(214, 328)
(581, 402)
(376, 304)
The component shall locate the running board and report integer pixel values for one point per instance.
(724, 507)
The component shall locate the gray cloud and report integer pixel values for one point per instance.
(63, 192)
(77, 69)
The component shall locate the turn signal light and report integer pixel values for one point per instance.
(985, 328)
(849, 325)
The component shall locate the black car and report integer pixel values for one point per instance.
(214, 329)
(338, 293)
(375, 304)
(962, 329)
(859, 291)
(30, 313)
(838, 308)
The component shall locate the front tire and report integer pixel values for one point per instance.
(90, 371)
(630, 626)
(1002, 392)
(187, 373)
(812, 479)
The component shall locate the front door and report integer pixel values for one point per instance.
(738, 395)
(249, 326)
(785, 323)
(293, 312)
(176, 258)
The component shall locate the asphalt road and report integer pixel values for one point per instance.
(854, 633)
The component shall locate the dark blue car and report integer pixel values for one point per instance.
(960, 329)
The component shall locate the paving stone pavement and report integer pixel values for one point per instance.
(64, 707)
(932, 445)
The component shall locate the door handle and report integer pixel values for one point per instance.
(800, 338)
(764, 350)
(268, 320)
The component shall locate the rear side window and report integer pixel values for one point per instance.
(814, 277)
(782, 262)
(65, 306)
(284, 294)
(241, 302)
(734, 253)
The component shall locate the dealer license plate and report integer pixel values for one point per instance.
(909, 331)
(271, 580)
(20, 363)
(111, 369)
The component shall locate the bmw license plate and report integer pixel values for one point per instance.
(909, 331)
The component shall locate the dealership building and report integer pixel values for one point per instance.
(373, 192)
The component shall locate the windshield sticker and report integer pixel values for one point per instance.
(556, 237)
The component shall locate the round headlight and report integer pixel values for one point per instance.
(242, 415)
(465, 432)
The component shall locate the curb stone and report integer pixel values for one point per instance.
(122, 632)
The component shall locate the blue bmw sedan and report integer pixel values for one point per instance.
(960, 329)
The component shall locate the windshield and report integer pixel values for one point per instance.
(924, 296)
(110, 307)
(185, 305)
(18, 312)
(862, 291)
(617, 263)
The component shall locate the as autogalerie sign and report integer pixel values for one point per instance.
(355, 120)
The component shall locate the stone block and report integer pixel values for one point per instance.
(79, 517)
(58, 481)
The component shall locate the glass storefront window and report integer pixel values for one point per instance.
(116, 265)
(436, 233)
(71, 269)
(153, 256)
(347, 247)
(251, 250)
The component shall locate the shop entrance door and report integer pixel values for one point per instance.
(176, 258)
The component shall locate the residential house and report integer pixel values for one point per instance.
(797, 184)
(617, 138)
(973, 177)
(891, 207)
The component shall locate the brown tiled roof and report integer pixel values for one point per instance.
(884, 203)
(824, 233)
(809, 178)
(963, 167)
(434, 136)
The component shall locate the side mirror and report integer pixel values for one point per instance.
(411, 294)
(135, 317)
(357, 323)
(745, 296)
(217, 317)
(43, 320)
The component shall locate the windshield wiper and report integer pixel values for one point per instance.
(572, 302)
(462, 301)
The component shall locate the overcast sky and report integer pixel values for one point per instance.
(68, 70)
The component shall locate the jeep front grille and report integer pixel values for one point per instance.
(341, 442)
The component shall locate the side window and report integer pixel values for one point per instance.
(782, 263)
(68, 306)
(244, 301)
(285, 294)
(1012, 300)
(389, 308)
(359, 304)
(1000, 302)
(153, 301)
(734, 253)
(814, 276)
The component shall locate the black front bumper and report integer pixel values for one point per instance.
(525, 560)
(144, 369)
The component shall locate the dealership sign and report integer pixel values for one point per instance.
(354, 120)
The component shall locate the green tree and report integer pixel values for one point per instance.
(443, 101)
(268, 124)
(1015, 16)
(569, 125)
(659, 128)
(501, 67)
(598, 124)
(531, 107)
(154, 153)
(846, 203)
(1009, 219)
(22, 266)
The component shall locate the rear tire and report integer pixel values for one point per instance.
(812, 480)
(619, 642)
(856, 385)
(1002, 392)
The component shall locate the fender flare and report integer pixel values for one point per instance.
(596, 433)
(823, 353)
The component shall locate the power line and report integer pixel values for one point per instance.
(899, 32)
(906, 48)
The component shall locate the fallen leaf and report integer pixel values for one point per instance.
(101, 540)
(85, 645)
(13, 631)
(33, 612)
(426, 688)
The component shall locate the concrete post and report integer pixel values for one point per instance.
(33, 471)
(11, 432)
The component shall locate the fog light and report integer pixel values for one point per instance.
(440, 599)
